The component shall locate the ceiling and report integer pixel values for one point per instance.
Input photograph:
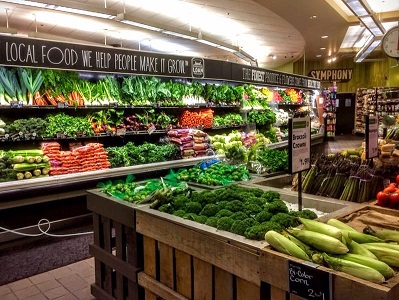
(274, 32)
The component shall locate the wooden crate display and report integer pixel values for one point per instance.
(187, 260)
(343, 286)
(117, 248)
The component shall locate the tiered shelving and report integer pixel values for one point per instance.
(330, 98)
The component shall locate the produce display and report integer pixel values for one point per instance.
(263, 159)
(249, 212)
(196, 118)
(227, 120)
(342, 176)
(265, 117)
(389, 196)
(24, 129)
(217, 173)
(371, 255)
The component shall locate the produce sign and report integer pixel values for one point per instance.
(299, 144)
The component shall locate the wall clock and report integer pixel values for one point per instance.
(390, 42)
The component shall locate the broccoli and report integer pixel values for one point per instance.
(239, 227)
(193, 207)
(251, 222)
(208, 197)
(224, 213)
(179, 213)
(224, 223)
(209, 210)
(244, 196)
(166, 208)
(222, 204)
(252, 209)
(200, 219)
(276, 207)
(284, 219)
(226, 194)
(263, 216)
(212, 221)
(255, 200)
(235, 205)
(239, 215)
(308, 214)
(179, 201)
(257, 192)
(196, 197)
(258, 232)
(189, 216)
(271, 196)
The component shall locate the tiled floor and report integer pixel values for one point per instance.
(66, 283)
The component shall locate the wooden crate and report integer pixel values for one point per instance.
(117, 248)
(187, 260)
(344, 286)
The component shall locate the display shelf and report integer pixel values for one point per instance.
(366, 103)
(329, 113)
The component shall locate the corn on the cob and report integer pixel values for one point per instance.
(319, 241)
(357, 248)
(388, 256)
(340, 225)
(323, 228)
(385, 245)
(362, 238)
(284, 245)
(376, 264)
(384, 234)
(300, 244)
(355, 269)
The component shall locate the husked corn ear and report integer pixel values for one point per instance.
(319, 241)
(357, 248)
(362, 238)
(388, 256)
(354, 269)
(385, 245)
(376, 264)
(323, 228)
(384, 234)
(301, 245)
(340, 225)
(284, 245)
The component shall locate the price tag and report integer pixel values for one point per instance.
(62, 104)
(121, 131)
(16, 104)
(151, 129)
(371, 137)
(299, 144)
(113, 104)
(308, 282)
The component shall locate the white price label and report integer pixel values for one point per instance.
(300, 144)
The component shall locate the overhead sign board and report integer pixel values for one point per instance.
(331, 75)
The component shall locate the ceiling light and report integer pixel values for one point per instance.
(324, 36)
(272, 56)
(368, 47)
(181, 35)
(318, 55)
(129, 20)
(7, 31)
(245, 56)
(208, 43)
(322, 48)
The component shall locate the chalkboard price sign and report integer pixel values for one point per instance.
(309, 282)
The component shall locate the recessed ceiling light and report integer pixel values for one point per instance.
(318, 55)
(324, 36)
(313, 17)
(322, 48)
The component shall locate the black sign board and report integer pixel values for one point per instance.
(38, 53)
(309, 282)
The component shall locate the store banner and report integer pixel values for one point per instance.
(39, 53)
(331, 75)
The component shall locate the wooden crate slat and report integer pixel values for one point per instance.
(202, 279)
(120, 246)
(277, 294)
(224, 283)
(157, 288)
(201, 245)
(166, 273)
(96, 240)
(99, 293)
(183, 273)
(150, 260)
(113, 262)
(247, 290)
(107, 223)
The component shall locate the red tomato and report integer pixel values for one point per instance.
(389, 189)
(392, 184)
(397, 179)
(394, 199)
(383, 199)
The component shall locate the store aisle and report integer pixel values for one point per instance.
(66, 283)
(341, 142)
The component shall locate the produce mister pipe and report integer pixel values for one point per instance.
(299, 191)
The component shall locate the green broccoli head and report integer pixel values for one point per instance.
(271, 196)
(166, 208)
(251, 222)
(255, 200)
(209, 210)
(257, 192)
(179, 213)
(189, 216)
(208, 197)
(235, 205)
(193, 207)
(224, 223)
(239, 227)
(200, 219)
(222, 204)
(284, 219)
(252, 209)
(212, 221)
(258, 232)
(224, 213)
(244, 196)
(276, 207)
(239, 215)
(179, 201)
(196, 197)
(263, 216)
(308, 214)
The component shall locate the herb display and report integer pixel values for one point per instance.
(68, 125)
(264, 117)
(229, 119)
(272, 160)
(22, 129)
(106, 120)
(7, 172)
(130, 154)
